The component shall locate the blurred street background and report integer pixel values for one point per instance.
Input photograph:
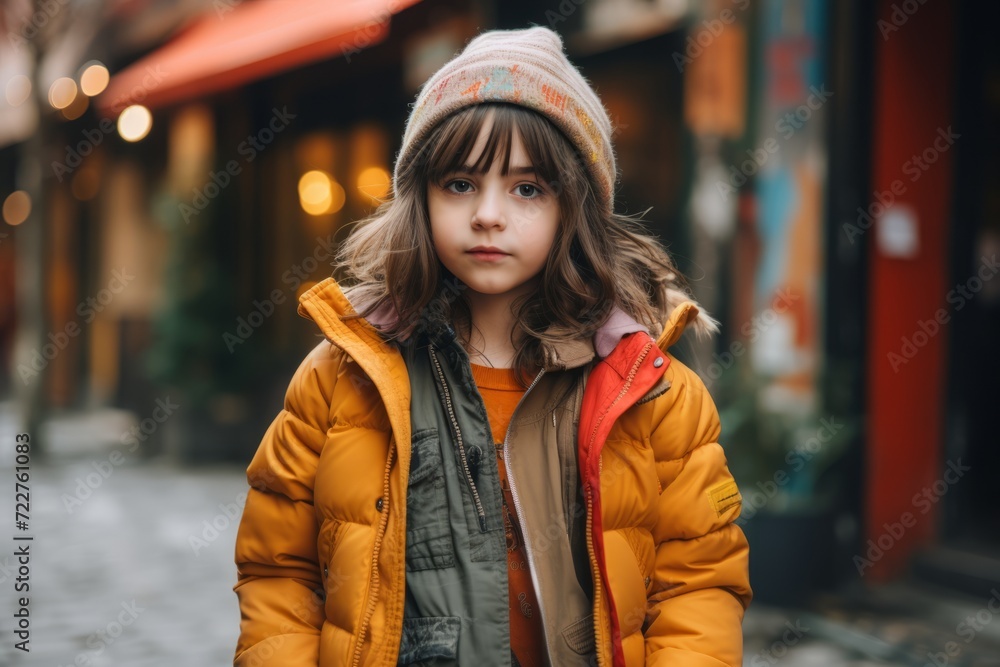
(174, 173)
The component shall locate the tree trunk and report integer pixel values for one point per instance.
(32, 316)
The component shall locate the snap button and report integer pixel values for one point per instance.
(326, 571)
(658, 362)
(647, 582)
(378, 504)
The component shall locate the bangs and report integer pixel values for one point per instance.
(454, 139)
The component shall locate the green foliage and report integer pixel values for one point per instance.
(794, 453)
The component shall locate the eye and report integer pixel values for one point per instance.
(462, 184)
(529, 191)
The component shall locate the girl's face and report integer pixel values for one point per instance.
(493, 232)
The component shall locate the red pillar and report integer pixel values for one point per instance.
(913, 101)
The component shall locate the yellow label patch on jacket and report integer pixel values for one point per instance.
(724, 496)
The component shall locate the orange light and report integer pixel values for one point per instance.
(319, 193)
(94, 79)
(374, 182)
(16, 207)
(337, 197)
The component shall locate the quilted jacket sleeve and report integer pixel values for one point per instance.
(701, 582)
(279, 584)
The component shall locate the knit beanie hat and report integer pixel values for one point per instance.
(527, 68)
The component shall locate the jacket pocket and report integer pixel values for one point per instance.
(429, 638)
(579, 635)
(429, 542)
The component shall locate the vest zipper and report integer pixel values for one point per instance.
(517, 504)
(445, 395)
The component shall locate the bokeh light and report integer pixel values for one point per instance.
(134, 122)
(94, 79)
(62, 92)
(16, 207)
(319, 193)
(18, 90)
(374, 182)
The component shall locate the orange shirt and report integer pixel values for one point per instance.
(501, 392)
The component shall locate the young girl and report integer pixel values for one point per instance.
(492, 459)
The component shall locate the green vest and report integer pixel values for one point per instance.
(456, 549)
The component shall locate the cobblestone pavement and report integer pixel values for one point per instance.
(902, 624)
(115, 576)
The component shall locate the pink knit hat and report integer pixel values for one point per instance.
(527, 68)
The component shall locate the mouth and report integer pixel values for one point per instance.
(487, 253)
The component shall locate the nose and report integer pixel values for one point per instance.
(489, 211)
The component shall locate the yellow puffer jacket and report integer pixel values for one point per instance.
(321, 547)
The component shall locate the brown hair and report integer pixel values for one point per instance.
(598, 259)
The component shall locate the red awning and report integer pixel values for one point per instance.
(241, 42)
